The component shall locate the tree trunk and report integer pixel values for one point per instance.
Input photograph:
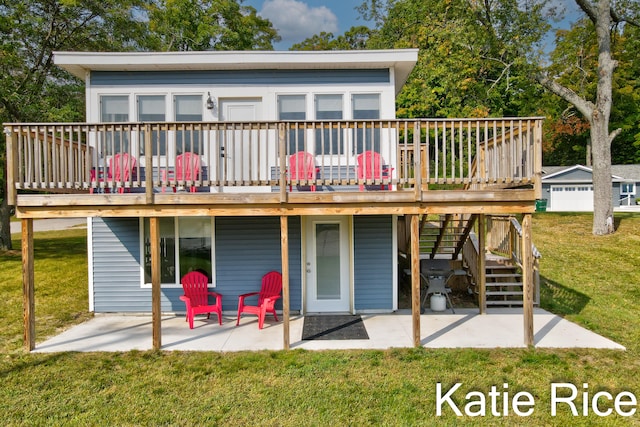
(597, 113)
(602, 188)
(600, 137)
(5, 226)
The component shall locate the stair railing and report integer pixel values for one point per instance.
(470, 256)
(504, 236)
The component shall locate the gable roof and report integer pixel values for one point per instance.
(618, 172)
(401, 61)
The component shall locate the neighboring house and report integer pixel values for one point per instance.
(249, 120)
(570, 188)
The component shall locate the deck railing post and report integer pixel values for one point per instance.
(11, 139)
(282, 156)
(148, 160)
(537, 162)
(417, 162)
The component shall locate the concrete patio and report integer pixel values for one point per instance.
(499, 328)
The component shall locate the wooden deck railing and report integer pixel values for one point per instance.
(469, 153)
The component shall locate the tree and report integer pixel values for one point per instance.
(625, 113)
(598, 111)
(473, 54)
(193, 25)
(574, 62)
(31, 88)
(354, 38)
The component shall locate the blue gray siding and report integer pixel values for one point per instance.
(246, 249)
(373, 258)
(238, 77)
(116, 266)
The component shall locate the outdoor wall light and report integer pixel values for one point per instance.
(210, 102)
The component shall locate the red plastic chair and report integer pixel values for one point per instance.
(196, 297)
(370, 167)
(187, 168)
(302, 166)
(267, 297)
(121, 167)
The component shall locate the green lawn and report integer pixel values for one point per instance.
(594, 281)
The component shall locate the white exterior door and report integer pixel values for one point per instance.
(571, 198)
(327, 265)
(238, 157)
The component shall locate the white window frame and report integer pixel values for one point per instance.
(176, 228)
(631, 192)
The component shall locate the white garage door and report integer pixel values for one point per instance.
(571, 198)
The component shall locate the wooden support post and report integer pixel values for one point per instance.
(28, 303)
(415, 279)
(284, 250)
(154, 235)
(527, 279)
(482, 264)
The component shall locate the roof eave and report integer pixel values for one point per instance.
(79, 63)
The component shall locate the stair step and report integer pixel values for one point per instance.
(498, 275)
(503, 284)
(504, 293)
(500, 267)
(516, 302)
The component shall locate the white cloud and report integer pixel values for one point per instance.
(296, 21)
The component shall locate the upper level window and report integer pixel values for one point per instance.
(293, 107)
(115, 108)
(188, 108)
(151, 108)
(328, 108)
(366, 107)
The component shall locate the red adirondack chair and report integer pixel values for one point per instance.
(302, 166)
(196, 297)
(267, 297)
(121, 169)
(370, 166)
(187, 168)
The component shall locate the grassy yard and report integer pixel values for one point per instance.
(594, 281)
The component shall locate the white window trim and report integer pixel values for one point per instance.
(628, 193)
(177, 254)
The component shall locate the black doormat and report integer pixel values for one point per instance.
(334, 327)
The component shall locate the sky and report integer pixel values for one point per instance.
(297, 20)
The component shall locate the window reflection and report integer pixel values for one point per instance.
(188, 238)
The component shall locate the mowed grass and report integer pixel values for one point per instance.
(591, 280)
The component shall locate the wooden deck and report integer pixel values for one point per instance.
(465, 166)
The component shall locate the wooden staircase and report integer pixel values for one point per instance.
(445, 236)
(503, 283)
